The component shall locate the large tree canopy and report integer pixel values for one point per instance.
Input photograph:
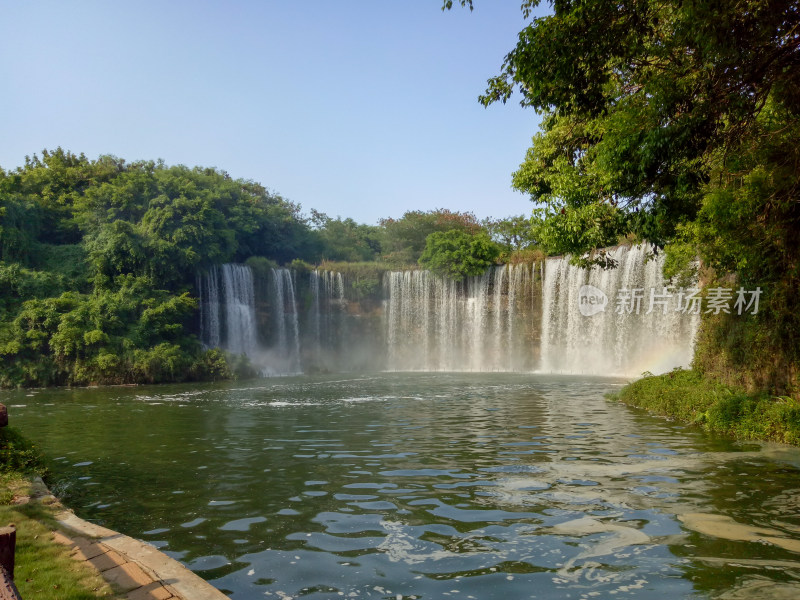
(641, 100)
(676, 122)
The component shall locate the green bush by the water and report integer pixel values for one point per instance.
(17, 454)
(688, 396)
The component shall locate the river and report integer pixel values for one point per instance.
(429, 486)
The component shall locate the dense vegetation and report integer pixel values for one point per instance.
(457, 254)
(677, 123)
(718, 408)
(99, 260)
(18, 455)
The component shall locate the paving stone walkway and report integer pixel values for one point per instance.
(125, 576)
(134, 568)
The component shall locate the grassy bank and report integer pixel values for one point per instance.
(44, 569)
(689, 397)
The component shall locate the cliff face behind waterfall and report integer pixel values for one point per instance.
(522, 317)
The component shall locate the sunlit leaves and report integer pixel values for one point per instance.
(457, 254)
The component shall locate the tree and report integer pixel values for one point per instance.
(457, 254)
(640, 97)
(677, 123)
(513, 233)
(344, 239)
(404, 238)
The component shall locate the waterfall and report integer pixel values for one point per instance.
(500, 342)
(228, 317)
(549, 317)
(286, 350)
(520, 318)
(227, 309)
(521, 298)
(622, 339)
(327, 330)
(313, 281)
(436, 324)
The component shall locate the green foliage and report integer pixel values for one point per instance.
(98, 260)
(754, 352)
(404, 239)
(690, 397)
(589, 227)
(512, 233)
(301, 266)
(457, 254)
(213, 365)
(747, 234)
(527, 255)
(676, 123)
(642, 100)
(131, 333)
(19, 225)
(346, 240)
(17, 454)
(261, 266)
(165, 223)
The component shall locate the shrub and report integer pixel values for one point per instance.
(457, 254)
(17, 454)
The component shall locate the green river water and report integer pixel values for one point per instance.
(424, 486)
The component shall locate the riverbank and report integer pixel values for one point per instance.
(62, 557)
(689, 397)
(44, 569)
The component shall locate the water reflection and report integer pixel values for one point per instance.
(426, 486)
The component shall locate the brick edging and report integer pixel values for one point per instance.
(135, 568)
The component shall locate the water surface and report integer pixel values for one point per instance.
(424, 486)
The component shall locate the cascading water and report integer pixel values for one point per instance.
(228, 317)
(325, 319)
(210, 327)
(515, 318)
(479, 324)
(523, 317)
(626, 338)
(285, 353)
(227, 313)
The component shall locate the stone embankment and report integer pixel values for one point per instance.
(132, 567)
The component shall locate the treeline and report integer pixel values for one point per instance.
(99, 259)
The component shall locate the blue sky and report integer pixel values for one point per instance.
(355, 108)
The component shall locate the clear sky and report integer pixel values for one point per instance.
(359, 109)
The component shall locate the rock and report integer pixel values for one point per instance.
(3, 415)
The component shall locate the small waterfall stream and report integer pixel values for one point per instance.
(227, 309)
(286, 353)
